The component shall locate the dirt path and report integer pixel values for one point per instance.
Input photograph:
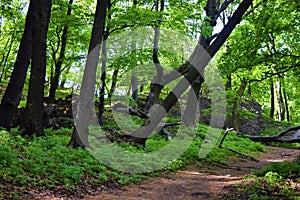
(206, 182)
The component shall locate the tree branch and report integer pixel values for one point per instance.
(223, 7)
(256, 6)
(198, 60)
(270, 75)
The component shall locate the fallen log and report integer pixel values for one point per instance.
(280, 136)
(130, 111)
(143, 115)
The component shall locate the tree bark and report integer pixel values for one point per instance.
(280, 105)
(103, 71)
(189, 116)
(236, 106)
(134, 88)
(249, 89)
(190, 113)
(272, 99)
(64, 77)
(103, 83)
(212, 11)
(34, 119)
(285, 98)
(13, 92)
(134, 79)
(58, 64)
(86, 97)
(157, 83)
(113, 82)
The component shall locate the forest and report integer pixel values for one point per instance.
(118, 99)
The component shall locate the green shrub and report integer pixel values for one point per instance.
(285, 169)
(47, 162)
(275, 181)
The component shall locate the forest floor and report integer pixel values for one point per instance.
(210, 181)
(194, 182)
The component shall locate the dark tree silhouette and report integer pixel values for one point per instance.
(34, 119)
(13, 92)
(80, 133)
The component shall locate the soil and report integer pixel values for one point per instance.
(194, 182)
(211, 181)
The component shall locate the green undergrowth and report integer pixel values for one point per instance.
(240, 144)
(275, 181)
(47, 162)
(285, 145)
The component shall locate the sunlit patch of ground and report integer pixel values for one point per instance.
(194, 182)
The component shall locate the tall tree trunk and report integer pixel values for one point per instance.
(272, 99)
(141, 88)
(64, 76)
(285, 98)
(157, 83)
(80, 132)
(189, 117)
(113, 82)
(134, 80)
(286, 105)
(249, 91)
(34, 122)
(103, 70)
(236, 106)
(103, 83)
(13, 92)
(58, 65)
(134, 88)
(280, 104)
(192, 103)
(195, 66)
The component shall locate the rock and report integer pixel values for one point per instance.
(251, 123)
(57, 114)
